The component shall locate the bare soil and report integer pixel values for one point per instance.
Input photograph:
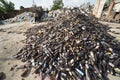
(11, 41)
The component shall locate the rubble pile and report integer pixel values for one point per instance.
(54, 14)
(26, 16)
(73, 46)
(114, 17)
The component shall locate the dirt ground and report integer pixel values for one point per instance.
(11, 41)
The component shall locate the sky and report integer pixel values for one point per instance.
(48, 3)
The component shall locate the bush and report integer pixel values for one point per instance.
(21, 7)
(6, 6)
(57, 4)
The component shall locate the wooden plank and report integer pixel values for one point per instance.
(100, 8)
(110, 8)
(96, 6)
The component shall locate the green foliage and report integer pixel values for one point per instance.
(2, 9)
(21, 7)
(57, 4)
(6, 6)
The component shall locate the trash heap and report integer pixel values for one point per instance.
(26, 16)
(72, 46)
(54, 14)
(114, 17)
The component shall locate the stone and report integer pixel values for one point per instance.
(2, 76)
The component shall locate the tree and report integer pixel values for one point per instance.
(57, 4)
(21, 7)
(6, 6)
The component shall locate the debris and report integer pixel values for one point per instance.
(26, 16)
(2, 76)
(71, 46)
(8, 63)
(11, 69)
(35, 77)
(2, 30)
(114, 17)
(5, 48)
(23, 79)
(22, 67)
(25, 73)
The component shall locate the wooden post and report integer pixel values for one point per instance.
(110, 8)
(98, 8)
